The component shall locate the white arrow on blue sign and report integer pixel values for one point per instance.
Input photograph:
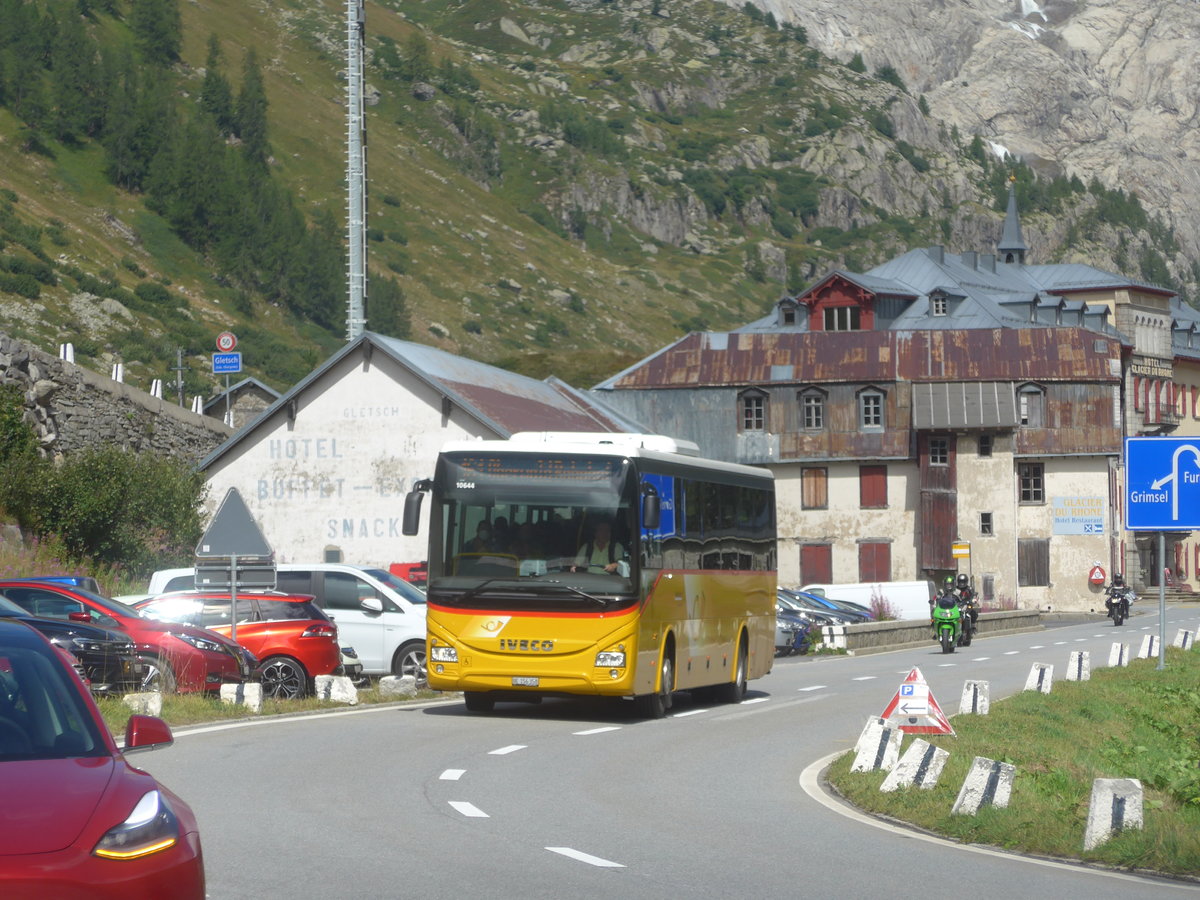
(1162, 483)
(227, 363)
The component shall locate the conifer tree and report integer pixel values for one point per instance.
(158, 29)
(216, 95)
(75, 77)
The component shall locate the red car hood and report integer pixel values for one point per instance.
(47, 802)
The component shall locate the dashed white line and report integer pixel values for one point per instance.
(469, 809)
(511, 748)
(868, 677)
(690, 712)
(815, 687)
(452, 774)
(947, 665)
(1059, 643)
(981, 659)
(1037, 647)
(586, 857)
(1015, 652)
(754, 700)
(599, 730)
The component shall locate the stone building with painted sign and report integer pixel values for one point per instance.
(939, 399)
(325, 468)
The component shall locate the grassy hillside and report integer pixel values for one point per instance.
(555, 187)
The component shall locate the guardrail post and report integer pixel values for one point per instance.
(1149, 646)
(1116, 804)
(247, 695)
(921, 765)
(1119, 655)
(1183, 640)
(1041, 677)
(974, 698)
(878, 747)
(1079, 666)
(988, 783)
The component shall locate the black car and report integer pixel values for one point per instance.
(107, 657)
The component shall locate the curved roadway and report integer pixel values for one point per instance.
(579, 799)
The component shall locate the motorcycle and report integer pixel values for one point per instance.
(968, 606)
(947, 622)
(1117, 600)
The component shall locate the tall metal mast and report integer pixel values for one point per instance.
(356, 170)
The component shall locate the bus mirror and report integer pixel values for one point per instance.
(650, 512)
(412, 512)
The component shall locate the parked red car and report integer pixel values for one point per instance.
(77, 820)
(295, 640)
(179, 657)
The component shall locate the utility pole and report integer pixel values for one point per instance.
(178, 370)
(356, 171)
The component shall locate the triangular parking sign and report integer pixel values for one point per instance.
(915, 709)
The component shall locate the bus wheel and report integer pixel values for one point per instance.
(655, 706)
(735, 691)
(478, 702)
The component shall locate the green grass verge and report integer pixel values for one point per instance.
(1134, 722)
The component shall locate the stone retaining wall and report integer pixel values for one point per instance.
(877, 637)
(71, 408)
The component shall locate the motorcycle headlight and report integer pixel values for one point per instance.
(151, 827)
(198, 642)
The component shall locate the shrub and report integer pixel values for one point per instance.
(152, 292)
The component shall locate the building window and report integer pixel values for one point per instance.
(1033, 562)
(872, 487)
(812, 410)
(1031, 400)
(789, 314)
(874, 561)
(938, 304)
(753, 411)
(842, 318)
(1033, 482)
(814, 488)
(939, 451)
(985, 524)
(985, 445)
(989, 589)
(870, 411)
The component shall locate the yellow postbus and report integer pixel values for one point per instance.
(608, 565)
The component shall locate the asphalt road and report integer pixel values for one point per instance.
(574, 798)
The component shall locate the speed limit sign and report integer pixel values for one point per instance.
(226, 341)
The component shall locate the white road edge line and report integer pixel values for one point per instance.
(599, 730)
(753, 700)
(810, 783)
(511, 748)
(686, 713)
(468, 809)
(452, 774)
(586, 857)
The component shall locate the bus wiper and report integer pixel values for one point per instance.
(567, 587)
(479, 588)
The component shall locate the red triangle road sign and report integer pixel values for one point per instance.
(916, 709)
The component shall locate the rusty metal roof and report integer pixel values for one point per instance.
(996, 354)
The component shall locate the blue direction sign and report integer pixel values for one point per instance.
(227, 363)
(1162, 483)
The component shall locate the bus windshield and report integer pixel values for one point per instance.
(532, 530)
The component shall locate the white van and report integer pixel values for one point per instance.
(908, 599)
(377, 613)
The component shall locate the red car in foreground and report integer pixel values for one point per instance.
(76, 820)
(295, 640)
(180, 658)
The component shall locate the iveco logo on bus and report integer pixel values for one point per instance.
(528, 646)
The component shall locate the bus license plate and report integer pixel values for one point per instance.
(525, 681)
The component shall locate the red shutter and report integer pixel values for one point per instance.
(872, 487)
(816, 564)
(875, 562)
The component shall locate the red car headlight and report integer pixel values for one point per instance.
(151, 827)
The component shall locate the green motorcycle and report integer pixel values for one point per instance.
(947, 621)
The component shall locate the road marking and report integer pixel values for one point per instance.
(511, 748)
(1037, 647)
(754, 700)
(690, 712)
(1080, 640)
(452, 774)
(865, 678)
(599, 730)
(1015, 652)
(469, 809)
(946, 665)
(586, 857)
(981, 659)
(1059, 643)
(815, 687)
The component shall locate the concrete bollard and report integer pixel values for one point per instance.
(1183, 639)
(1116, 805)
(878, 747)
(921, 765)
(1041, 677)
(247, 695)
(1119, 655)
(337, 688)
(1079, 666)
(1149, 648)
(988, 783)
(398, 685)
(974, 698)
(145, 703)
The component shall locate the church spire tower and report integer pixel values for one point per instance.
(1011, 248)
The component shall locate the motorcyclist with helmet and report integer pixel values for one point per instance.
(1115, 591)
(967, 598)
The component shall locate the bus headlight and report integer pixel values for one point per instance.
(610, 659)
(443, 654)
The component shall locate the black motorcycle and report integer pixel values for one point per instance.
(1117, 600)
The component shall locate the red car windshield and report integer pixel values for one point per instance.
(42, 715)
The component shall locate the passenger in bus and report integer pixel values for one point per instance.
(482, 542)
(601, 553)
(527, 545)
